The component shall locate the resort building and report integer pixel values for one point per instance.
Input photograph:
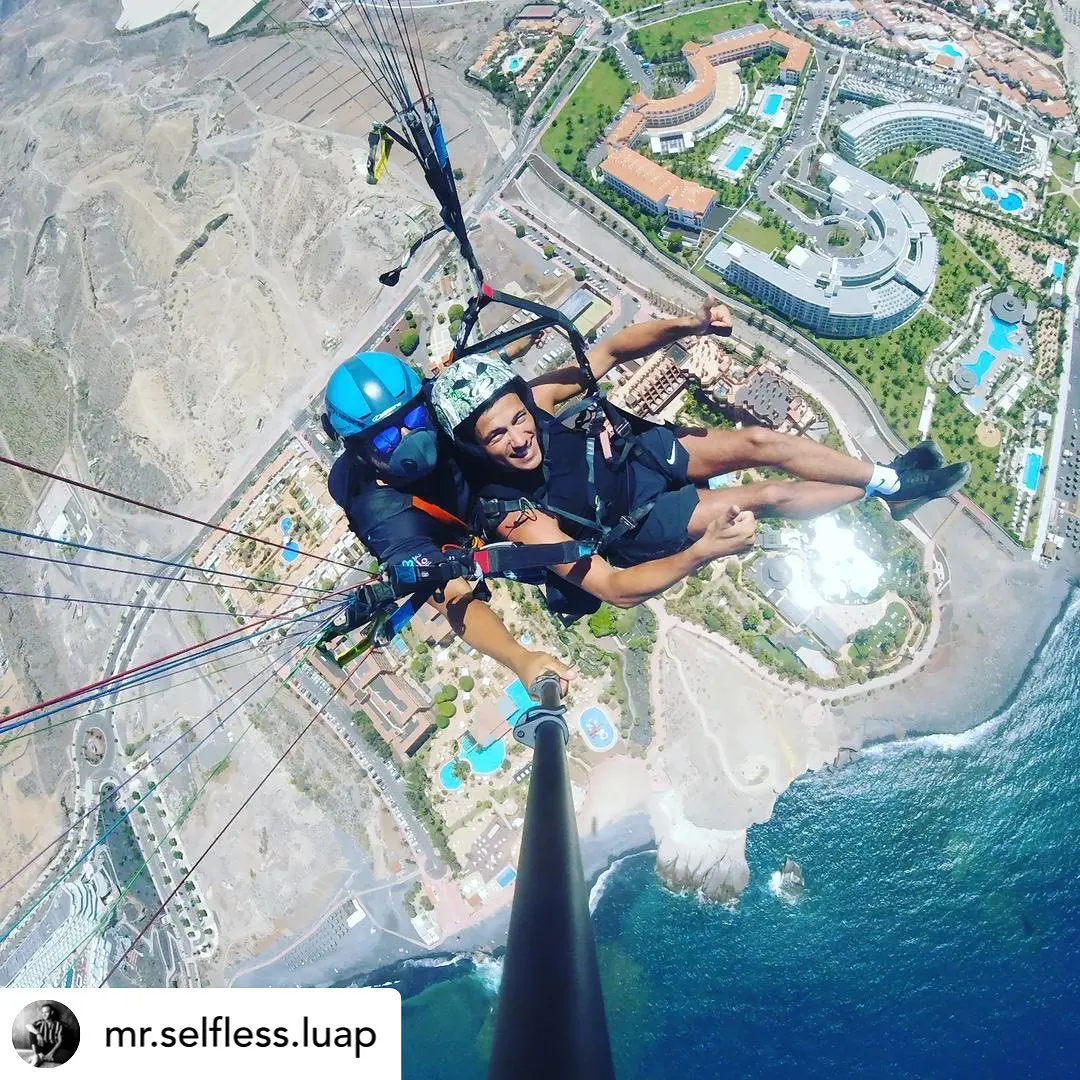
(653, 386)
(675, 123)
(857, 296)
(656, 190)
(754, 41)
(979, 136)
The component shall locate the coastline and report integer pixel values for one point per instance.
(376, 958)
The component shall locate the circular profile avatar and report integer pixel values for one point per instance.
(45, 1034)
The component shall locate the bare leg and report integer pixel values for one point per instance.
(713, 452)
(774, 498)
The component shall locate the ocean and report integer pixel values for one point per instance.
(938, 934)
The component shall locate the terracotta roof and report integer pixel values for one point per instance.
(797, 49)
(702, 90)
(627, 129)
(654, 181)
(691, 198)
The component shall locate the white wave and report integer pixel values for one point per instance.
(489, 971)
(599, 888)
(949, 742)
(436, 961)
(775, 886)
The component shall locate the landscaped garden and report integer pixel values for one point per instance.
(960, 272)
(666, 39)
(591, 107)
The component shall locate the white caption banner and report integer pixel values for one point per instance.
(209, 1034)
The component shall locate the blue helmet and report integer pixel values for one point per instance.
(375, 400)
(365, 389)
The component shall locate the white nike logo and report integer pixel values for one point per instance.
(671, 456)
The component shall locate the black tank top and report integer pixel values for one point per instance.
(565, 486)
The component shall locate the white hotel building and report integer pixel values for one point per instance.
(857, 296)
(993, 141)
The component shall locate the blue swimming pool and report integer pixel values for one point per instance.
(486, 760)
(1058, 269)
(981, 365)
(843, 22)
(506, 877)
(1011, 203)
(949, 49)
(285, 524)
(598, 730)
(1031, 471)
(737, 159)
(988, 192)
(292, 549)
(520, 697)
(999, 336)
(447, 777)
(515, 63)
(771, 106)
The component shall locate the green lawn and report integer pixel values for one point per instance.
(954, 429)
(754, 233)
(891, 368)
(1063, 167)
(959, 272)
(895, 165)
(583, 118)
(801, 202)
(622, 7)
(668, 37)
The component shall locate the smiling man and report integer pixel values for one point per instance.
(643, 494)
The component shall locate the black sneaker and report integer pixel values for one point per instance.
(920, 486)
(927, 455)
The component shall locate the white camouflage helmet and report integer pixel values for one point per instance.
(466, 386)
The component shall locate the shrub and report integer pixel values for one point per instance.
(455, 312)
(408, 342)
(467, 683)
(580, 273)
(444, 709)
(519, 232)
(441, 721)
(549, 251)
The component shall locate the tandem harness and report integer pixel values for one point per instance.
(605, 431)
(375, 605)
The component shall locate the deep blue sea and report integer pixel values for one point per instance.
(938, 934)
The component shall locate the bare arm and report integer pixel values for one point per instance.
(629, 586)
(629, 343)
(477, 625)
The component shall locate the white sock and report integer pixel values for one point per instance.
(883, 481)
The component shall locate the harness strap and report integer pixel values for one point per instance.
(439, 514)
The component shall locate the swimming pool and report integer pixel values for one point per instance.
(486, 760)
(292, 549)
(1011, 203)
(999, 336)
(1058, 269)
(981, 365)
(598, 730)
(515, 63)
(949, 49)
(447, 777)
(1031, 471)
(843, 22)
(506, 877)
(771, 107)
(988, 192)
(737, 159)
(285, 524)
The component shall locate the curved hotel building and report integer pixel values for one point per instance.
(858, 296)
(696, 110)
(992, 141)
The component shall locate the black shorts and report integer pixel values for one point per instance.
(664, 482)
